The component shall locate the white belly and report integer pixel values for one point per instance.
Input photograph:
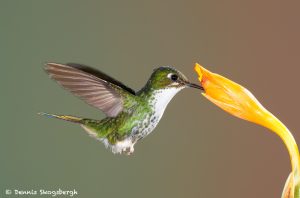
(159, 104)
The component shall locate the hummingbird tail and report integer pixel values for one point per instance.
(63, 117)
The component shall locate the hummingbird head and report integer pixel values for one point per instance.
(168, 77)
(163, 85)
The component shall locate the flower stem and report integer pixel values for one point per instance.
(280, 129)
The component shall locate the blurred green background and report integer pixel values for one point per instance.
(197, 150)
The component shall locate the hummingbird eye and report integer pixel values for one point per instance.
(174, 77)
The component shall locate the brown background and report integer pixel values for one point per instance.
(197, 150)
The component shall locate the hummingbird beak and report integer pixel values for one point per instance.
(194, 86)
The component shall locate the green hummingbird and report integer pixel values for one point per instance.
(131, 115)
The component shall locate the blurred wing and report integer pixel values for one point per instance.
(93, 86)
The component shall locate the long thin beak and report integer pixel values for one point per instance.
(194, 86)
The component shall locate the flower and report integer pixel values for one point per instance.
(230, 96)
(240, 102)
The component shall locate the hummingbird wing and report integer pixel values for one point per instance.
(93, 86)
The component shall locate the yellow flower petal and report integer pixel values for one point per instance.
(230, 96)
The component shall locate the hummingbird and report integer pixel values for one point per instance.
(131, 115)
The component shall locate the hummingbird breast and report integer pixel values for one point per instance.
(158, 103)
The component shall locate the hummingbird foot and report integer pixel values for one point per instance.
(123, 147)
(128, 150)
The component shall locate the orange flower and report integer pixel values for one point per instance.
(238, 101)
(230, 96)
